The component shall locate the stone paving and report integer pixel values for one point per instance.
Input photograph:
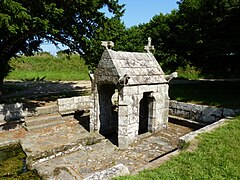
(68, 151)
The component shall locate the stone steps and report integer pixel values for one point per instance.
(48, 109)
(86, 161)
(64, 149)
(43, 121)
(45, 143)
(51, 108)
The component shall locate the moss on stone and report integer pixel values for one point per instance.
(11, 164)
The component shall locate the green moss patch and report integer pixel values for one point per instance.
(12, 164)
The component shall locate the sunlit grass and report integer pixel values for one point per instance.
(216, 157)
(47, 67)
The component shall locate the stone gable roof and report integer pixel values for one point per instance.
(142, 68)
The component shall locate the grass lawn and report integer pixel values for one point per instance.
(219, 94)
(216, 157)
(48, 67)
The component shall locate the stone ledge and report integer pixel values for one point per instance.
(70, 105)
(117, 170)
(9, 142)
(189, 137)
(200, 113)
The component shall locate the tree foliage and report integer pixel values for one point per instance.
(125, 39)
(112, 30)
(205, 33)
(24, 25)
(211, 31)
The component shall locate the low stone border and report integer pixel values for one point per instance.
(70, 105)
(9, 142)
(11, 112)
(200, 113)
(117, 170)
(189, 137)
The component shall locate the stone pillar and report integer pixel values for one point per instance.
(162, 107)
(123, 121)
(94, 111)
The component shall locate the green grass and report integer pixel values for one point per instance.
(189, 72)
(216, 157)
(219, 94)
(48, 67)
(11, 164)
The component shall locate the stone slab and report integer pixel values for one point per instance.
(107, 174)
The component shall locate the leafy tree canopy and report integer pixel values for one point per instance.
(25, 24)
(205, 33)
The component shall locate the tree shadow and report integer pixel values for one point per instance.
(19, 97)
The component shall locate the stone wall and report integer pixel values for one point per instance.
(11, 112)
(200, 113)
(70, 105)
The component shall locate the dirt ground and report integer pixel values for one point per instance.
(42, 91)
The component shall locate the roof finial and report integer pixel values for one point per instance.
(149, 47)
(107, 44)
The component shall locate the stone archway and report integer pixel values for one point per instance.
(108, 115)
(146, 113)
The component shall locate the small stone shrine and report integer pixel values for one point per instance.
(129, 95)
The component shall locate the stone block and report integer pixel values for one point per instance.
(128, 100)
(9, 112)
(228, 112)
(172, 111)
(195, 115)
(122, 110)
(123, 120)
(1, 107)
(122, 130)
(133, 119)
(210, 114)
(182, 113)
(70, 105)
(147, 88)
(184, 106)
(123, 142)
(2, 117)
(130, 90)
(117, 170)
(173, 104)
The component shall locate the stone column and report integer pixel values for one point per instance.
(123, 140)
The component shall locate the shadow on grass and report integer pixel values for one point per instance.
(44, 91)
(213, 93)
(34, 94)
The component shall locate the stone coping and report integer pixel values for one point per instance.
(190, 136)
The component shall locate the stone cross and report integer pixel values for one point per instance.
(107, 44)
(149, 47)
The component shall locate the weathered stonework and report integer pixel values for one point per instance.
(129, 96)
(11, 112)
(70, 105)
(200, 113)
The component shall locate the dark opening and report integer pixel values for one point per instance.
(144, 113)
(108, 112)
(83, 119)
